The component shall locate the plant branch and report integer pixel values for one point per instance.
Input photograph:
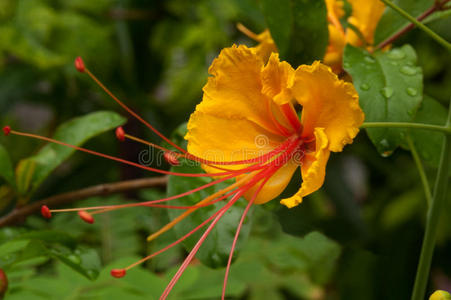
(442, 129)
(433, 217)
(422, 173)
(420, 25)
(20, 213)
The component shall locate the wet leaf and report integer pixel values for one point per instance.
(390, 87)
(32, 171)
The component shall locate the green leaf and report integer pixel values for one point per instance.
(294, 24)
(83, 260)
(279, 19)
(429, 143)
(32, 171)
(216, 248)
(6, 166)
(391, 21)
(390, 88)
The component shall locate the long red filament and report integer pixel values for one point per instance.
(129, 162)
(291, 116)
(193, 252)
(130, 111)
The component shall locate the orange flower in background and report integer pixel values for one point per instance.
(364, 17)
(246, 128)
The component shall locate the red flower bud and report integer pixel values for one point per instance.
(118, 273)
(6, 130)
(3, 283)
(79, 65)
(45, 212)
(85, 216)
(120, 134)
(171, 158)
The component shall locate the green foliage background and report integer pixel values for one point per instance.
(357, 238)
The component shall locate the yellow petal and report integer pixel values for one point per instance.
(266, 45)
(334, 53)
(277, 77)
(335, 8)
(328, 103)
(274, 186)
(365, 16)
(313, 170)
(234, 89)
(223, 139)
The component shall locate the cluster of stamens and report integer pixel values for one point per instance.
(255, 172)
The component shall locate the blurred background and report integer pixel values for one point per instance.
(357, 238)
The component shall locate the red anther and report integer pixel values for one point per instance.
(79, 65)
(85, 216)
(45, 212)
(120, 134)
(171, 158)
(6, 130)
(3, 283)
(118, 273)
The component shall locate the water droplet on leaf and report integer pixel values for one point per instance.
(407, 70)
(74, 258)
(384, 143)
(346, 65)
(387, 92)
(412, 91)
(369, 59)
(365, 86)
(396, 54)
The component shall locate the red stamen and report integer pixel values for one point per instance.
(6, 130)
(118, 273)
(132, 163)
(237, 234)
(171, 158)
(45, 212)
(130, 111)
(85, 216)
(195, 249)
(79, 65)
(291, 116)
(120, 134)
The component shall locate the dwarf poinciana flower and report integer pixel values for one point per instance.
(364, 18)
(247, 128)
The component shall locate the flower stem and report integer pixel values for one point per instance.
(424, 180)
(433, 217)
(437, 6)
(443, 129)
(420, 25)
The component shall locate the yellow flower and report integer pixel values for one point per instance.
(440, 295)
(365, 17)
(246, 100)
(246, 128)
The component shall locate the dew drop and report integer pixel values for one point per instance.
(74, 258)
(384, 143)
(412, 91)
(369, 59)
(386, 153)
(346, 65)
(408, 70)
(365, 86)
(396, 54)
(387, 92)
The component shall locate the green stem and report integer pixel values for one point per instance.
(422, 173)
(433, 217)
(443, 129)
(420, 25)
